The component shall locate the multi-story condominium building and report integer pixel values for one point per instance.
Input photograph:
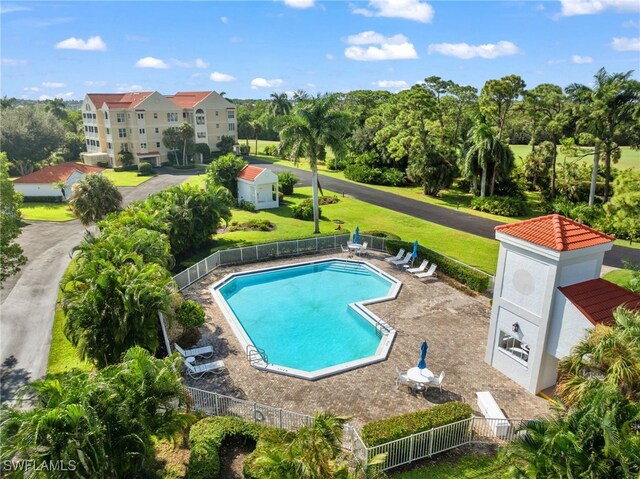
(134, 122)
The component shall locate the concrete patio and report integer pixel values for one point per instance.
(454, 323)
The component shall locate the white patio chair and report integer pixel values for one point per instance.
(403, 261)
(431, 273)
(437, 381)
(197, 371)
(419, 269)
(362, 251)
(396, 257)
(401, 379)
(203, 352)
(346, 250)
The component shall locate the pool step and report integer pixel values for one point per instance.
(348, 269)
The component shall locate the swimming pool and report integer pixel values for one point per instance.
(310, 319)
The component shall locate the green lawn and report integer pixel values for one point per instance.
(474, 466)
(46, 212)
(629, 158)
(125, 178)
(473, 250)
(621, 277)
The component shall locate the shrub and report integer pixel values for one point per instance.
(119, 169)
(328, 200)
(224, 172)
(225, 145)
(286, 181)
(246, 206)
(270, 150)
(500, 205)
(245, 149)
(42, 199)
(125, 158)
(188, 166)
(208, 435)
(466, 275)
(304, 210)
(190, 314)
(393, 177)
(103, 164)
(202, 149)
(375, 176)
(145, 169)
(387, 430)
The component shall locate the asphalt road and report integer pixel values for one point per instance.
(28, 299)
(436, 214)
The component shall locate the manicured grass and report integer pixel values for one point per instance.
(63, 355)
(46, 212)
(629, 158)
(470, 249)
(474, 466)
(621, 277)
(125, 178)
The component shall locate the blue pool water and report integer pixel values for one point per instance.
(300, 315)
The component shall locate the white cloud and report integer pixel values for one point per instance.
(197, 63)
(151, 62)
(631, 24)
(224, 20)
(13, 8)
(33, 89)
(95, 83)
(581, 60)
(53, 84)
(221, 77)
(466, 51)
(12, 62)
(263, 83)
(299, 3)
(391, 84)
(92, 44)
(396, 47)
(625, 44)
(313, 86)
(407, 9)
(329, 56)
(65, 96)
(591, 7)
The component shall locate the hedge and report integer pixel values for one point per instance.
(468, 276)
(393, 428)
(42, 199)
(207, 436)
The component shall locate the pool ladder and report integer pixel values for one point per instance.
(256, 355)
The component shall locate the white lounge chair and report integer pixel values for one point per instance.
(403, 261)
(437, 381)
(396, 257)
(363, 250)
(197, 371)
(401, 379)
(419, 269)
(431, 273)
(203, 352)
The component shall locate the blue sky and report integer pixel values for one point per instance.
(250, 49)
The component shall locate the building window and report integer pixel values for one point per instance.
(140, 116)
(232, 127)
(124, 147)
(120, 118)
(218, 137)
(87, 107)
(217, 112)
(157, 144)
(508, 343)
(202, 134)
(157, 130)
(142, 132)
(86, 129)
(97, 142)
(94, 116)
(172, 117)
(231, 114)
(143, 146)
(122, 132)
(106, 115)
(109, 146)
(199, 119)
(155, 116)
(108, 131)
(217, 125)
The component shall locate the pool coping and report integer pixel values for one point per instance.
(387, 332)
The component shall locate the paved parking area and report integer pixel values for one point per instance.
(454, 323)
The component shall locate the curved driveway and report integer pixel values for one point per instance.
(29, 298)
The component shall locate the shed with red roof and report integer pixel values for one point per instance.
(53, 182)
(259, 186)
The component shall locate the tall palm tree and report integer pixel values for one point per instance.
(606, 111)
(56, 107)
(93, 197)
(186, 132)
(313, 126)
(280, 104)
(256, 126)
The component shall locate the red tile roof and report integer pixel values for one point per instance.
(250, 172)
(598, 298)
(54, 173)
(119, 100)
(188, 99)
(556, 232)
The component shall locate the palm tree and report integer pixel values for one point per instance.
(93, 197)
(313, 126)
(606, 111)
(186, 132)
(280, 104)
(56, 107)
(256, 126)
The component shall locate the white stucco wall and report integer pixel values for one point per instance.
(525, 281)
(568, 327)
(38, 189)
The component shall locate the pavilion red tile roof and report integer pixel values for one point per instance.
(119, 100)
(54, 173)
(556, 232)
(598, 298)
(250, 172)
(188, 99)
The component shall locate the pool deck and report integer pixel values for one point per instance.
(454, 323)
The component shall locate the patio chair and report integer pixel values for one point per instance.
(403, 261)
(345, 249)
(396, 257)
(419, 269)
(197, 371)
(203, 352)
(431, 273)
(362, 251)
(438, 381)
(401, 379)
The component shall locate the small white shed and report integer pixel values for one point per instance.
(259, 186)
(42, 183)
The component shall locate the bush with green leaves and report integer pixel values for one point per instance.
(245, 149)
(190, 314)
(203, 150)
(125, 158)
(145, 169)
(393, 428)
(375, 176)
(247, 206)
(270, 150)
(286, 182)
(225, 145)
(500, 205)
(224, 172)
(304, 210)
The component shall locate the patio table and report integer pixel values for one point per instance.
(420, 376)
